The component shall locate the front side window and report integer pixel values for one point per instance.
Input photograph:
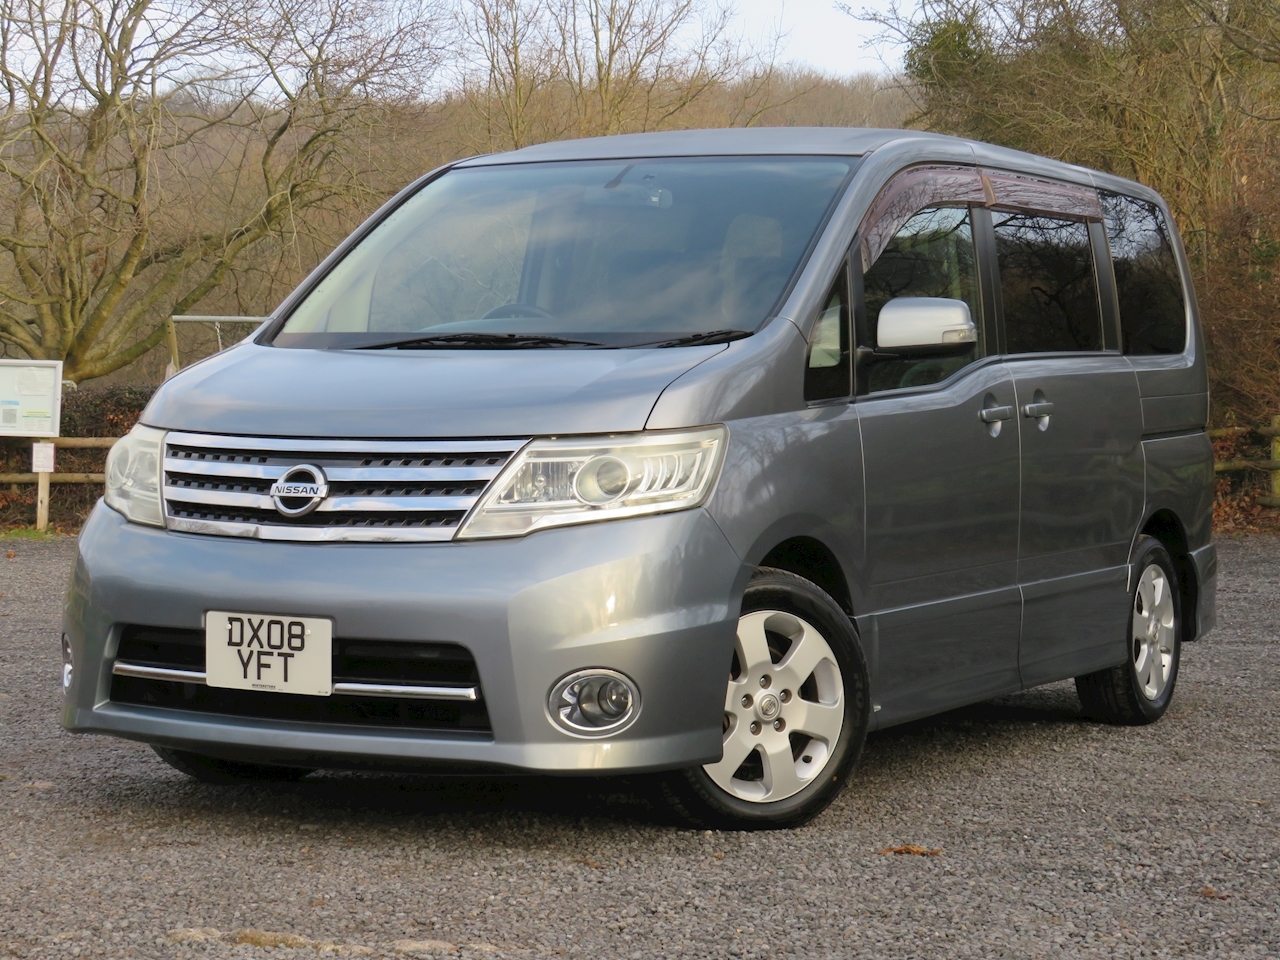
(1048, 284)
(931, 255)
(610, 253)
(829, 374)
(1153, 314)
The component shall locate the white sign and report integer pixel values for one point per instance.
(42, 457)
(30, 398)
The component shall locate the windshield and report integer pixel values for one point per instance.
(610, 253)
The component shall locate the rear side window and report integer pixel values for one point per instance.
(931, 255)
(1153, 314)
(1047, 280)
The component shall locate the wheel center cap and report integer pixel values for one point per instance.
(768, 707)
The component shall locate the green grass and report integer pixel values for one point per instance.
(29, 533)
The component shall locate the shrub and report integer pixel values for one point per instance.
(104, 412)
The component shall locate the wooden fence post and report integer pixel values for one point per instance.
(172, 336)
(42, 465)
(1275, 455)
(42, 502)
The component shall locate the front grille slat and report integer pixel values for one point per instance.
(393, 504)
(297, 447)
(220, 470)
(223, 498)
(378, 490)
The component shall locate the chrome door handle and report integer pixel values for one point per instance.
(1035, 410)
(992, 414)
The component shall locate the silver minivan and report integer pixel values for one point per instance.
(698, 453)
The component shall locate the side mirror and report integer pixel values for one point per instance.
(925, 324)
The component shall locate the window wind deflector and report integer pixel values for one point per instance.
(699, 339)
(481, 341)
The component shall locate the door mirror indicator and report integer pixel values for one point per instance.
(925, 323)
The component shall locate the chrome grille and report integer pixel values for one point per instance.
(379, 490)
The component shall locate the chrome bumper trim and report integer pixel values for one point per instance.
(122, 669)
(403, 691)
(408, 691)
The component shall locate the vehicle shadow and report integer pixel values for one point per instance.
(428, 802)
(1055, 703)
(991, 726)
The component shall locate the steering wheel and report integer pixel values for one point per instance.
(510, 311)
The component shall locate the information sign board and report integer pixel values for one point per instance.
(30, 398)
(42, 457)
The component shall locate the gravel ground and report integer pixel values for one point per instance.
(1053, 836)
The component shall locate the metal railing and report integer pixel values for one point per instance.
(175, 362)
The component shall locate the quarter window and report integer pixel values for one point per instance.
(931, 255)
(829, 374)
(1047, 279)
(1153, 314)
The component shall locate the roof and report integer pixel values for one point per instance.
(800, 141)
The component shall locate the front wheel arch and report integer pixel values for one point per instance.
(695, 794)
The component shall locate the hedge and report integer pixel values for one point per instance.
(93, 412)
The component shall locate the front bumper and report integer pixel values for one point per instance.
(656, 598)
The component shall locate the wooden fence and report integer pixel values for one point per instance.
(43, 480)
(1272, 465)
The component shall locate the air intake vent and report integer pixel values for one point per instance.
(377, 683)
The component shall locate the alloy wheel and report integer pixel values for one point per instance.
(1154, 632)
(784, 710)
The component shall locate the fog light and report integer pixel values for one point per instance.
(67, 665)
(594, 703)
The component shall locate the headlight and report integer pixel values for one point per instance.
(555, 482)
(133, 475)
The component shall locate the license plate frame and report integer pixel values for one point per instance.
(267, 652)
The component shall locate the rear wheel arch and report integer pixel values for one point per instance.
(1165, 525)
(1139, 690)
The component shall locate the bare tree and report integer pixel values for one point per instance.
(1183, 95)
(628, 66)
(518, 70)
(1147, 88)
(545, 69)
(1252, 26)
(148, 146)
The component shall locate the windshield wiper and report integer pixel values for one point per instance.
(698, 339)
(479, 340)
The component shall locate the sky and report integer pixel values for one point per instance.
(819, 34)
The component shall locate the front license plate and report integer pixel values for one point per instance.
(253, 651)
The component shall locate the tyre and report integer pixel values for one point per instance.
(795, 715)
(224, 772)
(1140, 689)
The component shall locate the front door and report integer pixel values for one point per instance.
(940, 454)
(1080, 421)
